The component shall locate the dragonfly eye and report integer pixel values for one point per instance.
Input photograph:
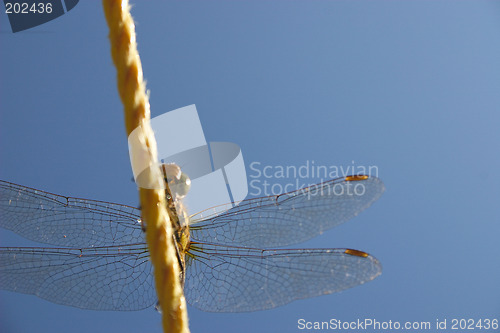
(178, 182)
(182, 186)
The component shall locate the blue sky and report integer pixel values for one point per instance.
(411, 87)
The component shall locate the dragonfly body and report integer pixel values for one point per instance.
(100, 260)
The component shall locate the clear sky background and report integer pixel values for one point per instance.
(410, 87)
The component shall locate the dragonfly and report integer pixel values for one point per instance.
(234, 261)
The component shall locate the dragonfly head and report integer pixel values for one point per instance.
(178, 182)
(178, 185)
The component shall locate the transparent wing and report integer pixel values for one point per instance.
(93, 275)
(65, 221)
(289, 218)
(231, 279)
(110, 278)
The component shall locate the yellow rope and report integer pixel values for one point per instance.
(132, 91)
